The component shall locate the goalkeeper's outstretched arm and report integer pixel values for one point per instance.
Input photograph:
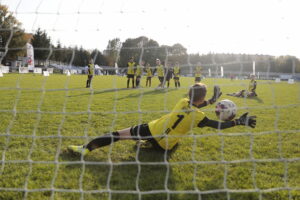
(243, 120)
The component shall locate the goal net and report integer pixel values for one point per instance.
(42, 113)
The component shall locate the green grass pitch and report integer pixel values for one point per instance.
(40, 116)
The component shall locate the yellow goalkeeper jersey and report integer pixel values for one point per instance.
(149, 72)
(176, 71)
(252, 86)
(139, 70)
(130, 69)
(160, 70)
(168, 129)
(91, 69)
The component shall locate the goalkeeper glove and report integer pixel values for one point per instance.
(246, 120)
(217, 94)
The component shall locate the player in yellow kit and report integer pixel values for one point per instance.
(252, 86)
(176, 72)
(164, 133)
(138, 73)
(198, 74)
(251, 92)
(130, 71)
(149, 74)
(160, 73)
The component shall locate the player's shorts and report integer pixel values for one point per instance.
(161, 79)
(176, 78)
(90, 76)
(149, 77)
(168, 78)
(252, 94)
(197, 79)
(138, 76)
(130, 75)
(142, 132)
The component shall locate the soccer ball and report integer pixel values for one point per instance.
(225, 110)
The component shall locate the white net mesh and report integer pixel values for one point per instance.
(41, 116)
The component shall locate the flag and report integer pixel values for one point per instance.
(116, 68)
(222, 71)
(30, 56)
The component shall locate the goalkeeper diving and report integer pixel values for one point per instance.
(165, 133)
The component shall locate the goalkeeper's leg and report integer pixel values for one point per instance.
(139, 132)
(101, 141)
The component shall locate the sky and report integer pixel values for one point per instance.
(269, 27)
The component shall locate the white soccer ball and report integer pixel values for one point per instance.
(226, 110)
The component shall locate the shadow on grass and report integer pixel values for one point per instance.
(100, 92)
(153, 172)
(145, 154)
(67, 155)
(150, 92)
(259, 100)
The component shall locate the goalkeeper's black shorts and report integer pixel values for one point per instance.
(142, 132)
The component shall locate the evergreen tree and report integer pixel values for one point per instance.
(12, 37)
(42, 45)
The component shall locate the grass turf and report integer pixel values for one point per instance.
(40, 116)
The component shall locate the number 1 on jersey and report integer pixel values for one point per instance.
(180, 117)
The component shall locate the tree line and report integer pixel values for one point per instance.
(13, 41)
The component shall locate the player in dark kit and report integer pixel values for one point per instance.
(168, 74)
(165, 132)
(90, 72)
